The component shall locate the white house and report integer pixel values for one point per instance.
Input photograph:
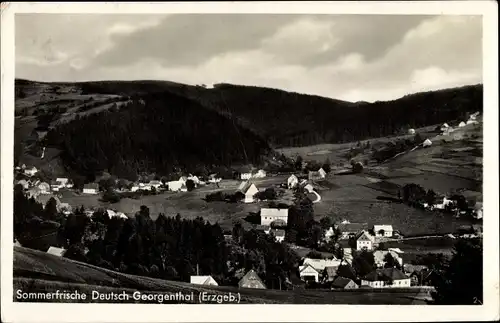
(427, 143)
(246, 176)
(213, 178)
(321, 264)
(386, 278)
(364, 241)
(442, 205)
(56, 251)
(175, 186)
(134, 188)
(44, 188)
(329, 233)
(203, 280)
(195, 179)
(444, 127)
(322, 172)
(156, 184)
(62, 181)
(260, 174)
(384, 230)
(292, 181)
(471, 121)
(183, 180)
(411, 131)
(269, 215)
(30, 171)
(249, 189)
(308, 273)
(309, 188)
(91, 188)
(461, 124)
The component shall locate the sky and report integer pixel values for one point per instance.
(346, 57)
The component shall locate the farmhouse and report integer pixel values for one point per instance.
(411, 131)
(175, 186)
(251, 280)
(183, 179)
(350, 229)
(383, 230)
(156, 184)
(442, 205)
(320, 264)
(260, 174)
(344, 283)
(307, 273)
(444, 127)
(213, 178)
(427, 143)
(387, 277)
(195, 179)
(30, 171)
(134, 188)
(292, 181)
(461, 124)
(56, 251)
(379, 256)
(62, 181)
(364, 241)
(270, 215)
(249, 189)
(309, 188)
(44, 188)
(91, 188)
(203, 280)
(317, 175)
(478, 210)
(246, 176)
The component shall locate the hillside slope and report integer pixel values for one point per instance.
(38, 271)
(161, 133)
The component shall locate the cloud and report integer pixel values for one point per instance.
(350, 57)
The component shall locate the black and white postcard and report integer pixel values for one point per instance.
(249, 157)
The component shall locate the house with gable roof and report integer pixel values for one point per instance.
(364, 240)
(270, 215)
(203, 280)
(251, 280)
(249, 190)
(386, 277)
(292, 181)
(384, 230)
(344, 283)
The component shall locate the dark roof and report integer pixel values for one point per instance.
(385, 274)
(341, 282)
(410, 268)
(352, 227)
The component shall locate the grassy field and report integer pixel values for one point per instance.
(36, 271)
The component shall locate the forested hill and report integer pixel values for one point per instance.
(161, 132)
(293, 119)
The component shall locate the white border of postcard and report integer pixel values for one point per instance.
(23, 312)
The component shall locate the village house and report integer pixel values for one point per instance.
(203, 280)
(195, 179)
(56, 251)
(379, 257)
(214, 179)
(65, 208)
(245, 176)
(411, 131)
(44, 188)
(387, 277)
(292, 181)
(364, 241)
(260, 174)
(442, 205)
(309, 188)
(329, 273)
(62, 181)
(350, 229)
(477, 212)
(249, 190)
(156, 184)
(461, 124)
(308, 274)
(251, 280)
(317, 175)
(30, 171)
(270, 216)
(90, 188)
(183, 180)
(17, 243)
(344, 283)
(145, 186)
(54, 186)
(175, 186)
(444, 127)
(134, 188)
(427, 143)
(383, 230)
